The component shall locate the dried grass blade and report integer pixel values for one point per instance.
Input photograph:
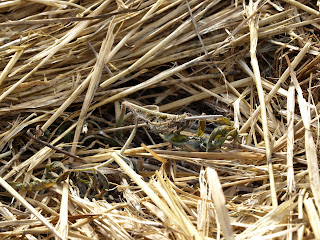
(68, 102)
(268, 222)
(154, 154)
(123, 41)
(63, 224)
(276, 87)
(9, 3)
(203, 95)
(62, 20)
(156, 79)
(290, 140)
(257, 77)
(302, 7)
(58, 3)
(153, 196)
(219, 203)
(9, 66)
(28, 206)
(310, 147)
(39, 156)
(175, 205)
(94, 81)
(313, 216)
(149, 54)
(215, 155)
(48, 53)
(15, 129)
(155, 49)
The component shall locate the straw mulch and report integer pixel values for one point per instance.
(92, 90)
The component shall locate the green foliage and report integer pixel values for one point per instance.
(36, 185)
(182, 141)
(200, 143)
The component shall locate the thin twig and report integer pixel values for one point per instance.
(196, 29)
(51, 146)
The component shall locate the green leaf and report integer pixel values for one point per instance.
(201, 127)
(219, 135)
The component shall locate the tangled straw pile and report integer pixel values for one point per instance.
(67, 66)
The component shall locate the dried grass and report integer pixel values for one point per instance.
(87, 86)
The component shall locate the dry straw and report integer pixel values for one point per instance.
(91, 93)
